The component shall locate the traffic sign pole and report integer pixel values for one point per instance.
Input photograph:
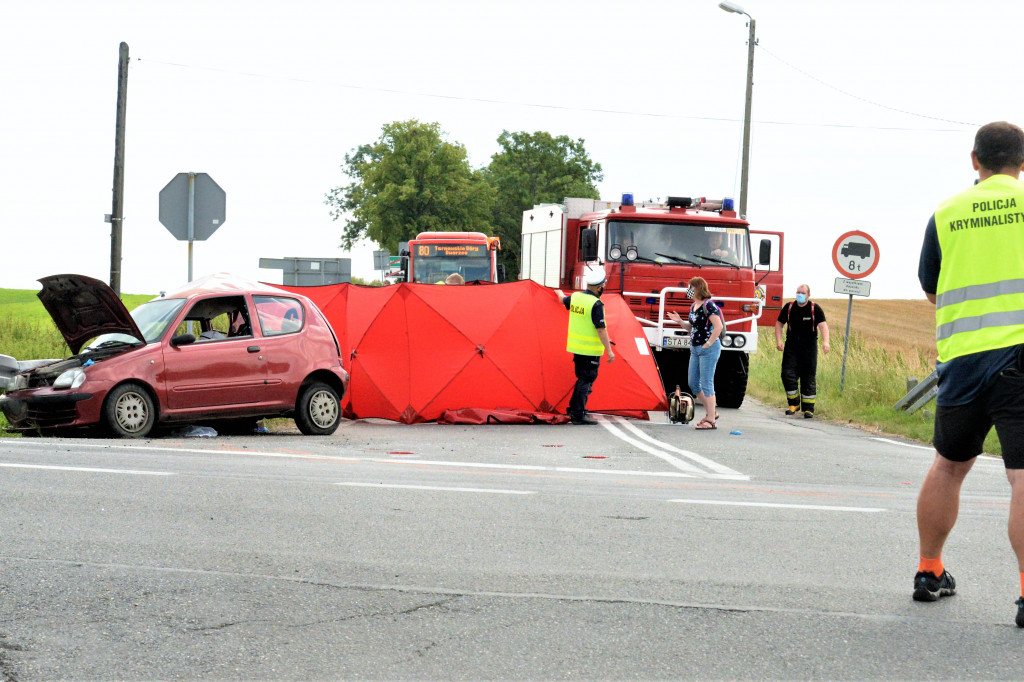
(191, 219)
(846, 344)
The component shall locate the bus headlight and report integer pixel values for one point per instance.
(739, 342)
(726, 340)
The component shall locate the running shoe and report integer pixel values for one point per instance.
(927, 587)
(1020, 611)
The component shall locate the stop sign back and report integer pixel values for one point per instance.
(209, 203)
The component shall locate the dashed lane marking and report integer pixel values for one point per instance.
(775, 505)
(439, 488)
(91, 470)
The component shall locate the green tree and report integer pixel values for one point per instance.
(409, 181)
(535, 168)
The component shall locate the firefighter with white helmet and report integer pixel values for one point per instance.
(587, 340)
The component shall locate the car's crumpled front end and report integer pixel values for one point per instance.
(48, 395)
(44, 397)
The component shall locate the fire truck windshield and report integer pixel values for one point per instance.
(680, 243)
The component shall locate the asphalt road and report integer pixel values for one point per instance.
(627, 550)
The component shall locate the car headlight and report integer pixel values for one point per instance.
(739, 341)
(17, 382)
(726, 340)
(73, 378)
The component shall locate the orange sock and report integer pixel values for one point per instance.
(935, 567)
(1022, 584)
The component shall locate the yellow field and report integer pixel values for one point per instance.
(894, 325)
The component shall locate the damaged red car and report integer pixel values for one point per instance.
(220, 351)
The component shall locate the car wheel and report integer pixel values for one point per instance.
(318, 412)
(129, 411)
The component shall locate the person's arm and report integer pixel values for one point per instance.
(778, 336)
(930, 262)
(823, 330)
(602, 334)
(677, 318)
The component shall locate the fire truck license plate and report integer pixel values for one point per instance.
(676, 342)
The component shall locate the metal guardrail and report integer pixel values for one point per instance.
(919, 395)
(667, 290)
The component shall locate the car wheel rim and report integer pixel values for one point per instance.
(132, 412)
(323, 409)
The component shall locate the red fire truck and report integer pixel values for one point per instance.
(650, 251)
(433, 256)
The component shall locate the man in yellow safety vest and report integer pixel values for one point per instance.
(972, 269)
(587, 340)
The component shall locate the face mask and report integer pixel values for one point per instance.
(801, 298)
(689, 293)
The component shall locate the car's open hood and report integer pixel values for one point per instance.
(83, 308)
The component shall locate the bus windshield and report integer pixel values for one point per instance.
(433, 263)
(680, 243)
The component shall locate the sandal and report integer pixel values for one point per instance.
(706, 425)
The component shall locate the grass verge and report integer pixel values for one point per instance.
(874, 380)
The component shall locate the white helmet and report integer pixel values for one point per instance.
(595, 277)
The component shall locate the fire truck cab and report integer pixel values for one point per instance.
(650, 252)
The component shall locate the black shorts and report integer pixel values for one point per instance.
(960, 430)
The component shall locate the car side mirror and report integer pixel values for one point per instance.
(764, 255)
(588, 244)
(182, 340)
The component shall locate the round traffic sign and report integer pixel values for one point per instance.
(855, 254)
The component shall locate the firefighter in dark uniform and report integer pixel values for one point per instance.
(587, 340)
(800, 352)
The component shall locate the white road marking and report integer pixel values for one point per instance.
(906, 445)
(812, 507)
(92, 470)
(387, 460)
(663, 449)
(984, 459)
(440, 488)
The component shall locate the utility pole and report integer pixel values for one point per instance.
(730, 6)
(745, 172)
(116, 217)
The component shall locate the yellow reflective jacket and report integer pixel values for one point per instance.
(979, 299)
(582, 338)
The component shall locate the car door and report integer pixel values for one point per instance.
(284, 345)
(769, 277)
(218, 373)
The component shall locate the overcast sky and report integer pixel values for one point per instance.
(864, 115)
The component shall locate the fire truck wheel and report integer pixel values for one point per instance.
(731, 378)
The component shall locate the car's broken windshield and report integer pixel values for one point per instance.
(104, 341)
(153, 318)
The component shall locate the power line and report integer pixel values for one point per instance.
(557, 107)
(858, 97)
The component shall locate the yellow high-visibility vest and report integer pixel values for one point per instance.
(979, 300)
(583, 338)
